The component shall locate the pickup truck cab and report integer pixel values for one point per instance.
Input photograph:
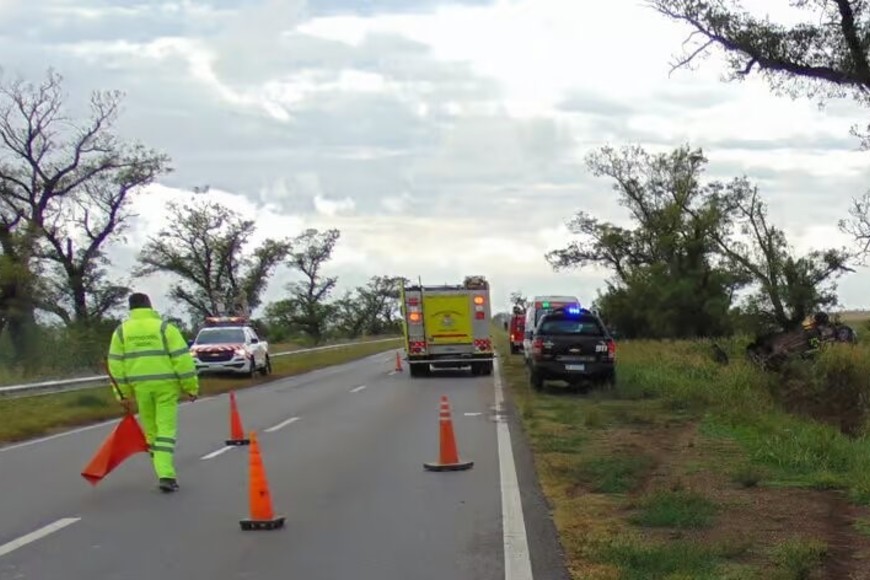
(571, 344)
(538, 307)
(230, 345)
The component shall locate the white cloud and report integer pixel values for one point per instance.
(441, 142)
(331, 207)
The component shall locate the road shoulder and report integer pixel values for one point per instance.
(547, 555)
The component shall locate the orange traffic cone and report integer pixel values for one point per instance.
(259, 498)
(237, 434)
(449, 455)
(398, 363)
(126, 439)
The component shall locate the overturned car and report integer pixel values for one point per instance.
(771, 350)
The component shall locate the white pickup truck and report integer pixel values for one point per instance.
(229, 344)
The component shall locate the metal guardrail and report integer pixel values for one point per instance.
(74, 384)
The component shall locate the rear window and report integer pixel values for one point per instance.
(584, 325)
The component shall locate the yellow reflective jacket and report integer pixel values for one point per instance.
(146, 349)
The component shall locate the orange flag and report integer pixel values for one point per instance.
(125, 440)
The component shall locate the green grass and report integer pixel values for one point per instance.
(24, 418)
(675, 509)
(667, 561)
(797, 559)
(63, 362)
(614, 465)
(613, 473)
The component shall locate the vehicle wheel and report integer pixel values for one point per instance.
(514, 350)
(476, 369)
(610, 381)
(487, 368)
(536, 380)
(252, 368)
(416, 370)
(267, 367)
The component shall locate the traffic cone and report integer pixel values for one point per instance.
(259, 498)
(449, 455)
(398, 363)
(237, 434)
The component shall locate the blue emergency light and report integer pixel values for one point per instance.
(573, 310)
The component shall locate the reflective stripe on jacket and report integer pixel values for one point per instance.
(148, 350)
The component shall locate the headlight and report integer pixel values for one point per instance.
(241, 352)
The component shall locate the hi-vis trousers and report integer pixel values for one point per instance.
(158, 412)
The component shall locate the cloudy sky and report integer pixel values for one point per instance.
(443, 139)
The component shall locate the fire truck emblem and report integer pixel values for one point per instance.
(447, 321)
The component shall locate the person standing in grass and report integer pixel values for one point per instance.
(151, 362)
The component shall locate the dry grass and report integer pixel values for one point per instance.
(23, 418)
(854, 316)
(693, 470)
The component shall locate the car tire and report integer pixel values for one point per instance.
(536, 381)
(487, 368)
(267, 367)
(252, 368)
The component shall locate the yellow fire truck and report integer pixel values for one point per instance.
(448, 326)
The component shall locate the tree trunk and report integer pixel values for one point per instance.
(80, 299)
(21, 326)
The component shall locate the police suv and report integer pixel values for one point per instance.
(571, 344)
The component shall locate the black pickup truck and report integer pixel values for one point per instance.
(572, 345)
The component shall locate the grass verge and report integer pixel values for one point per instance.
(693, 470)
(24, 418)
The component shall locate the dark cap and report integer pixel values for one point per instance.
(139, 300)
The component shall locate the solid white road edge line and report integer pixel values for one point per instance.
(473, 414)
(37, 535)
(214, 454)
(517, 560)
(358, 389)
(281, 425)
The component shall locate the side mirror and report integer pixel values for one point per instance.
(189, 342)
(255, 340)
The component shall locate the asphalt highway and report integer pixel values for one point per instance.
(343, 449)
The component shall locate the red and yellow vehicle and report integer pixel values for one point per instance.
(448, 326)
(517, 330)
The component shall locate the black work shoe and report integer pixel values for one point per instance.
(168, 485)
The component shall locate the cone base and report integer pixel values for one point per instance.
(237, 442)
(461, 466)
(273, 524)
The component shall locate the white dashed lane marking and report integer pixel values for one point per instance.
(282, 424)
(36, 535)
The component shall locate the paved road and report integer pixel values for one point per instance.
(343, 449)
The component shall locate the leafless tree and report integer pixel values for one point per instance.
(66, 187)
